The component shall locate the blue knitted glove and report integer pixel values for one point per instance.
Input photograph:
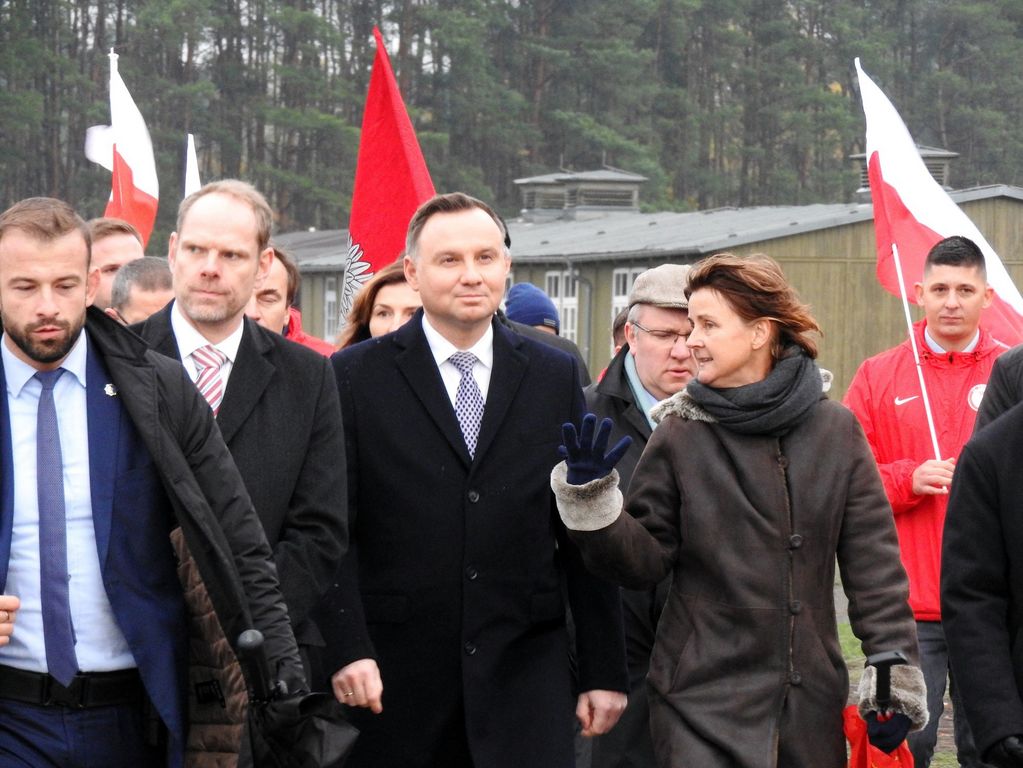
(585, 454)
(886, 735)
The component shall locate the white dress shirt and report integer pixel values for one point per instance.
(189, 340)
(443, 349)
(99, 643)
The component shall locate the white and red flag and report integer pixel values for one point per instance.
(913, 212)
(391, 180)
(125, 149)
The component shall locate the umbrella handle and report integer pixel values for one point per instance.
(255, 665)
(883, 663)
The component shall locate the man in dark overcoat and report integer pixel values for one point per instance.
(982, 587)
(450, 613)
(275, 401)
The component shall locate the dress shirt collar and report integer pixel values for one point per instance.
(18, 373)
(937, 349)
(443, 349)
(189, 339)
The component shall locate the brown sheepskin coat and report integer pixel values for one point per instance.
(747, 671)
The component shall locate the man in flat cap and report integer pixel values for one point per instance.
(653, 365)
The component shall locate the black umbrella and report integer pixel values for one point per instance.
(302, 730)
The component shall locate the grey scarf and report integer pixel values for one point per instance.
(773, 406)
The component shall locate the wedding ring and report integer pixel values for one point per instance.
(348, 693)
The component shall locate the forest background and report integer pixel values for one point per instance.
(717, 102)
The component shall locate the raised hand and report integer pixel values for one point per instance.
(586, 455)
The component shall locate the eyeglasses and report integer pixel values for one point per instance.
(663, 336)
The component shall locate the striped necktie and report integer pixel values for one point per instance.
(208, 361)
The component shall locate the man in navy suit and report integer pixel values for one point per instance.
(93, 428)
(448, 622)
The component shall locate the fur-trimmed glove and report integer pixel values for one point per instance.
(585, 454)
(1007, 753)
(887, 734)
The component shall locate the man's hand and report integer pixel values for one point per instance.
(585, 454)
(9, 606)
(598, 711)
(932, 478)
(1008, 753)
(359, 685)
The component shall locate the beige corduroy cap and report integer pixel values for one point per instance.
(663, 286)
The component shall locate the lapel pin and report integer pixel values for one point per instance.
(110, 390)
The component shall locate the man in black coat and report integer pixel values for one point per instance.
(450, 613)
(1004, 388)
(154, 460)
(654, 364)
(275, 401)
(982, 587)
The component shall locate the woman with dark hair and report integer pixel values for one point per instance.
(751, 487)
(385, 303)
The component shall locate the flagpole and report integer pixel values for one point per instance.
(916, 353)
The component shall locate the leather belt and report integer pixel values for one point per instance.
(87, 689)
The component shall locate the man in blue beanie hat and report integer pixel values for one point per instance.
(529, 305)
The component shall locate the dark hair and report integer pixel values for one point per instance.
(453, 202)
(239, 190)
(106, 226)
(756, 288)
(294, 276)
(150, 273)
(618, 327)
(45, 218)
(357, 326)
(956, 251)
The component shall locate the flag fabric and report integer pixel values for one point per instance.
(912, 211)
(391, 180)
(192, 183)
(124, 147)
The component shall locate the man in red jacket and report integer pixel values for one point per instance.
(956, 356)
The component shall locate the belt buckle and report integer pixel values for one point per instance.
(56, 695)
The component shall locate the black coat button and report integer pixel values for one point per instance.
(795, 607)
(795, 541)
(471, 573)
(795, 678)
(474, 496)
(470, 649)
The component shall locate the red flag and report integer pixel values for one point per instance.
(391, 180)
(912, 211)
(124, 147)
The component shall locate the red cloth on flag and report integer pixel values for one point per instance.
(128, 202)
(912, 211)
(391, 180)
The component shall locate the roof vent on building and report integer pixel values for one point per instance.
(587, 194)
(937, 161)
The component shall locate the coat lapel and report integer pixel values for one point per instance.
(417, 365)
(104, 419)
(509, 368)
(616, 384)
(250, 376)
(159, 334)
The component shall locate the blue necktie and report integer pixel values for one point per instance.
(468, 400)
(53, 575)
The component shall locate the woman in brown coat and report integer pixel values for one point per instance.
(750, 488)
